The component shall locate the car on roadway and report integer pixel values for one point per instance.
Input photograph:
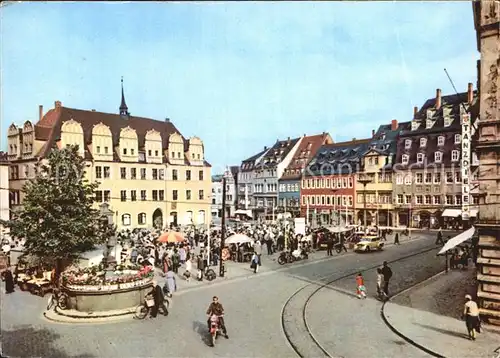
(369, 243)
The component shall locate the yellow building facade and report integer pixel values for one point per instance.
(150, 175)
(379, 208)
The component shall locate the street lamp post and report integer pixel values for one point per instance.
(223, 227)
(364, 181)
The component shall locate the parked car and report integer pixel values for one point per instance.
(369, 243)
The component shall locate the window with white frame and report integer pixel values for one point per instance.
(458, 199)
(458, 177)
(350, 182)
(418, 199)
(350, 200)
(447, 121)
(437, 178)
(449, 199)
(428, 200)
(344, 182)
(438, 157)
(449, 178)
(344, 200)
(455, 155)
(312, 201)
(420, 157)
(407, 143)
(304, 200)
(428, 178)
(126, 219)
(407, 199)
(423, 142)
(400, 199)
(440, 140)
(360, 198)
(399, 179)
(408, 179)
(420, 178)
(405, 158)
(327, 182)
(458, 138)
(318, 199)
(437, 200)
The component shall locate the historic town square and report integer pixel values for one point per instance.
(250, 179)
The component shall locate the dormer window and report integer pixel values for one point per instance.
(429, 123)
(429, 114)
(448, 121)
(455, 155)
(440, 140)
(458, 138)
(124, 151)
(407, 143)
(414, 125)
(420, 158)
(423, 142)
(438, 157)
(405, 159)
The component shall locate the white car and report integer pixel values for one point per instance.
(369, 243)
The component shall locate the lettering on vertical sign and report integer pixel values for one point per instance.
(465, 164)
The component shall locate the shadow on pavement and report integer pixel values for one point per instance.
(26, 341)
(202, 329)
(444, 331)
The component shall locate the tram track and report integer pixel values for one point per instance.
(296, 327)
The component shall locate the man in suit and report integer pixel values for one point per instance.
(157, 294)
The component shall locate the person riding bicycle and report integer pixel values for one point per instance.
(216, 308)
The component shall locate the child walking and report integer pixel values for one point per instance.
(380, 284)
(360, 286)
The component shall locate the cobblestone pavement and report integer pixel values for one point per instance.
(253, 304)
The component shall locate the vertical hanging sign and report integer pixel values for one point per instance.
(465, 164)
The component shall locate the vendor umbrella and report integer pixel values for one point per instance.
(237, 238)
(171, 236)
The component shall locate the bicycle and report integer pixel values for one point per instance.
(57, 299)
(142, 311)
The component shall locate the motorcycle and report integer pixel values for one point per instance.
(214, 328)
(289, 257)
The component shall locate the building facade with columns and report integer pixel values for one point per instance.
(378, 172)
(487, 25)
(427, 172)
(328, 186)
(147, 171)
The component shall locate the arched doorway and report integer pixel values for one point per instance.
(173, 217)
(383, 218)
(158, 219)
(361, 218)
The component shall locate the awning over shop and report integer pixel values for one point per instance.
(457, 240)
(473, 213)
(243, 212)
(451, 213)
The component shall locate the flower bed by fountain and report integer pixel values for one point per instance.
(94, 289)
(97, 279)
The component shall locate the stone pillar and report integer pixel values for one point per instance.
(487, 24)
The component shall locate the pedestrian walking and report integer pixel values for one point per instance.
(255, 263)
(380, 284)
(471, 315)
(329, 246)
(387, 273)
(159, 300)
(439, 238)
(396, 239)
(360, 286)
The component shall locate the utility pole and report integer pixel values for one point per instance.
(223, 228)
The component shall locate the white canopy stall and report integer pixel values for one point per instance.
(457, 240)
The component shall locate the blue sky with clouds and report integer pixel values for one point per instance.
(239, 75)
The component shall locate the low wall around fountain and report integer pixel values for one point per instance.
(86, 298)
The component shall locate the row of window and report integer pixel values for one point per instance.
(142, 218)
(429, 178)
(289, 202)
(438, 157)
(433, 199)
(229, 198)
(265, 188)
(284, 188)
(440, 141)
(334, 183)
(156, 174)
(374, 198)
(156, 195)
(333, 200)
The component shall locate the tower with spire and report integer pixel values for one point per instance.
(123, 106)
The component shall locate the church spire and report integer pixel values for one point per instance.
(123, 105)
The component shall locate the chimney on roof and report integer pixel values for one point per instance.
(415, 111)
(353, 139)
(470, 93)
(40, 112)
(167, 119)
(57, 104)
(373, 132)
(438, 98)
(265, 148)
(394, 124)
(93, 109)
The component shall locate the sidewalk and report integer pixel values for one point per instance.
(428, 316)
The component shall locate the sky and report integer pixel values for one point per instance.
(238, 75)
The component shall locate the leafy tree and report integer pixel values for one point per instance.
(57, 219)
